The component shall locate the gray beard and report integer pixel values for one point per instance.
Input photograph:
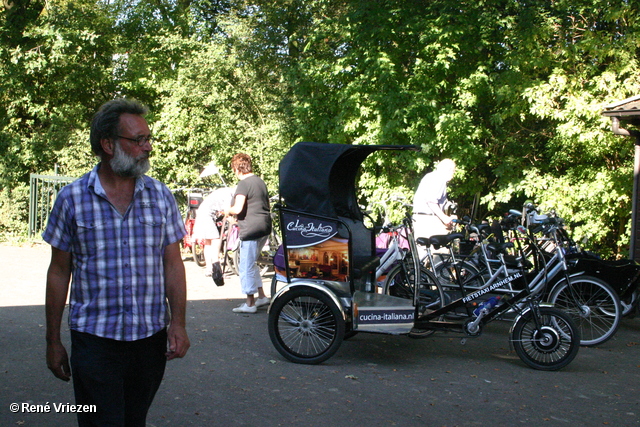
(128, 166)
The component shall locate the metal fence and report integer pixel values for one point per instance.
(43, 190)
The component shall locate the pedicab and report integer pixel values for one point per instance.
(329, 263)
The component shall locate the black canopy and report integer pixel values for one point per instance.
(319, 178)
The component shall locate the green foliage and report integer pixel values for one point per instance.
(214, 109)
(14, 213)
(512, 90)
(51, 83)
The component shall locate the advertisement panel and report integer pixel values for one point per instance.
(314, 248)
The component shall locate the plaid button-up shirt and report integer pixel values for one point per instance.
(117, 287)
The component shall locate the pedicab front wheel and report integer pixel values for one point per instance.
(548, 341)
(306, 326)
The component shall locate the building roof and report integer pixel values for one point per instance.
(625, 108)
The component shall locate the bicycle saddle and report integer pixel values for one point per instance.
(499, 248)
(442, 240)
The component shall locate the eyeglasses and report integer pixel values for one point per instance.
(140, 140)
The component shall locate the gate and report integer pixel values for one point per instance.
(43, 190)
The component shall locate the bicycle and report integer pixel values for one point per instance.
(544, 338)
(623, 275)
(313, 313)
(268, 251)
(229, 245)
(592, 303)
(193, 199)
(400, 279)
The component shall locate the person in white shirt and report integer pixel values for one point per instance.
(430, 200)
(206, 228)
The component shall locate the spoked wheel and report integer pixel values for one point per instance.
(548, 341)
(399, 283)
(593, 305)
(235, 257)
(306, 326)
(264, 268)
(235, 263)
(468, 273)
(198, 253)
(231, 260)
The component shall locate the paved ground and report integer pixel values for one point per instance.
(234, 376)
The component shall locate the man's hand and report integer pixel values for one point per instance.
(58, 277)
(176, 288)
(58, 361)
(178, 342)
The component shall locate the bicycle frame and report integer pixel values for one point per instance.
(501, 278)
(415, 260)
(312, 314)
(393, 253)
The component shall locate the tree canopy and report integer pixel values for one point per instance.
(512, 90)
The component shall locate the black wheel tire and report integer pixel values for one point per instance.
(306, 326)
(469, 275)
(399, 284)
(592, 303)
(232, 258)
(228, 265)
(236, 260)
(198, 253)
(550, 346)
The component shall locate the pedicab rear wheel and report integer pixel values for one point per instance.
(306, 326)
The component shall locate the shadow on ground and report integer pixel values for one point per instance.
(234, 376)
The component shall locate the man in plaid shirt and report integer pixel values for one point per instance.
(115, 242)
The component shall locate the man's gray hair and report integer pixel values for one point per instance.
(105, 122)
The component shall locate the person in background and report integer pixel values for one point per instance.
(430, 199)
(206, 228)
(115, 243)
(251, 205)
